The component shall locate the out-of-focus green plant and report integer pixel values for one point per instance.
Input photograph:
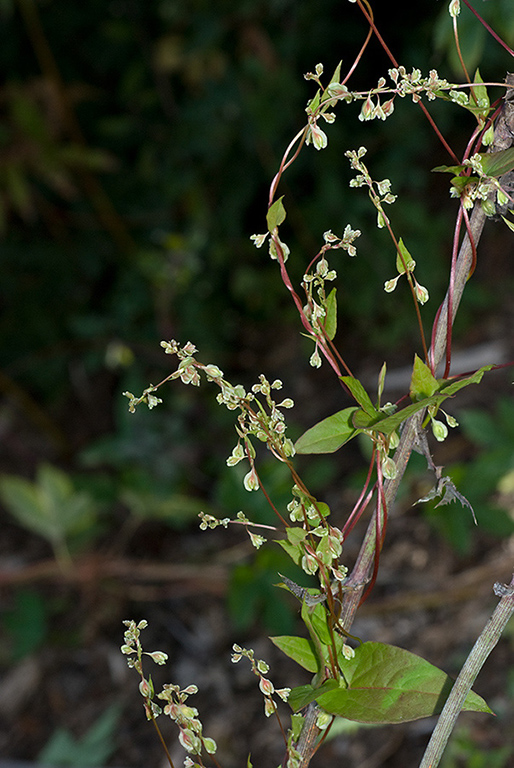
(476, 43)
(35, 152)
(464, 752)
(91, 751)
(52, 508)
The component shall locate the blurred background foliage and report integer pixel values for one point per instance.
(138, 140)
(137, 144)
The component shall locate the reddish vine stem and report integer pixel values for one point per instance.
(504, 137)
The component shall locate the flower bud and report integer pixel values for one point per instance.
(158, 656)
(146, 688)
(440, 430)
(250, 481)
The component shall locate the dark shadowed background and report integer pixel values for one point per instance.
(137, 144)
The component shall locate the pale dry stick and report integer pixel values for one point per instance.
(486, 642)
(361, 573)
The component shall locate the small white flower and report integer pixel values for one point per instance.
(266, 686)
(315, 359)
(256, 539)
(259, 240)
(317, 136)
(390, 285)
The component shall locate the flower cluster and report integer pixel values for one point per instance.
(371, 110)
(317, 107)
(304, 549)
(322, 311)
(209, 521)
(405, 84)
(480, 187)
(190, 727)
(260, 415)
(374, 106)
(147, 397)
(263, 420)
(261, 668)
(132, 647)
(345, 242)
(379, 191)
(259, 241)
(414, 84)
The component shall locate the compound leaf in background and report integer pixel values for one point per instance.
(50, 506)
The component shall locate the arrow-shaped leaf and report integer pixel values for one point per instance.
(328, 435)
(276, 214)
(360, 395)
(331, 314)
(498, 163)
(423, 383)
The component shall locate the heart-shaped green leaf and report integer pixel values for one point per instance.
(387, 684)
